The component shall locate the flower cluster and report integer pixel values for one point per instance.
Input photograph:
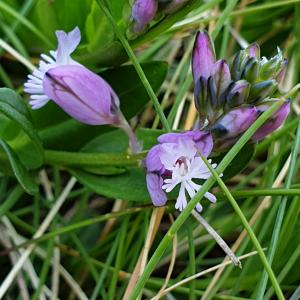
(230, 97)
(145, 11)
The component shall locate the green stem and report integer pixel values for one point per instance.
(262, 192)
(136, 65)
(192, 260)
(280, 215)
(249, 230)
(91, 159)
(165, 242)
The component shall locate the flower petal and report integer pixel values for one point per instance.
(67, 43)
(235, 122)
(154, 185)
(274, 122)
(152, 161)
(82, 94)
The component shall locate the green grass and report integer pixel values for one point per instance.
(91, 246)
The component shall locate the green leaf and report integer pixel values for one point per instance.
(128, 86)
(99, 31)
(239, 163)
(23, 177)
(129, 186)
(25, 141)
(50, 16)
(117, 141)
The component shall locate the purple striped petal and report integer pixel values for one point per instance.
(82, 94)
(274, 122)
(221, 74)
(235, 122)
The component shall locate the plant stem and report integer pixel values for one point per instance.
(217, 238)
(165, 242)
(136, 65)
(133, 141)
(280, 215)
(248, 229)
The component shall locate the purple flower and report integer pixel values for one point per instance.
(143, 12)
(274, 122)
(175, 161)
(235, 122)
(82, 94)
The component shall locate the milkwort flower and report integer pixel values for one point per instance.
(142, 13)
(175, 161)
(230, 97)
(82, 94)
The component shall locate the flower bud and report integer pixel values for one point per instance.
(279, 77)
(221, 75)
(237, 94)
(203, 57)
(269, 68)
(262, 90)
(142, 13)
(274, 122)
(253, 50)
(238, 64)
(82, 94)
(251, 70)
(235, 122)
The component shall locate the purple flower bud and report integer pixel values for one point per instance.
(238, 94)
(175, 160)
(274, 122)
(253, 50)
(281, 72)
(221, 74)
(235, 122)
(82, 94)
(143, 12)
(203, 57)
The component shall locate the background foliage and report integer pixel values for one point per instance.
(103, 218)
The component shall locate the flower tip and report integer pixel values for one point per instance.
(203, 56)
(253, 50)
